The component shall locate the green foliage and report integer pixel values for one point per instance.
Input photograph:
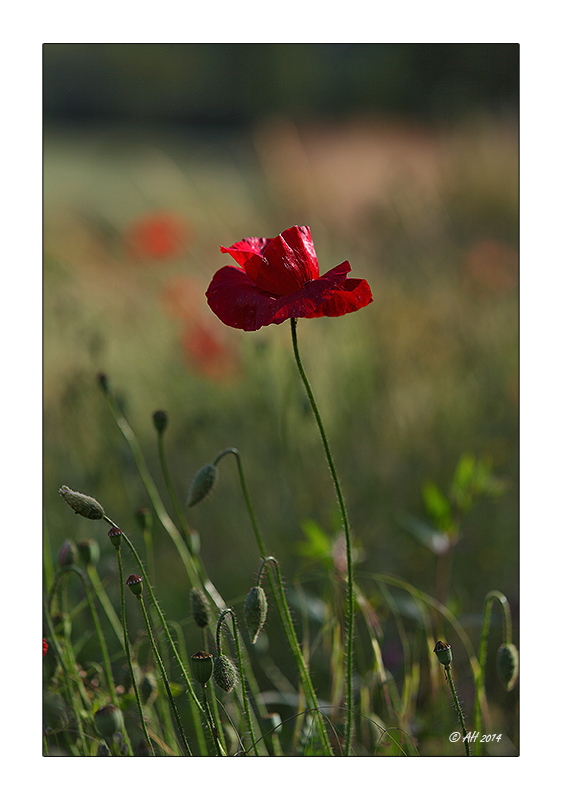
(418, 395)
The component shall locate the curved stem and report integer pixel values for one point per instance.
(257, 534)
(240, 668)
(161, 617)
(480, 694)
(282, 606)
(341, 503)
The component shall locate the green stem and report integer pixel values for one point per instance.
(161, 617)
(341, 503)
(151, 489)
(257, 534)
(184, 527)
(128, 651)
(101, 639)
(241, 670)
(164, 675)
(62, 658)
(281, 604)
(105, 602)
(460, 715)
(480, 695)
(213, 727)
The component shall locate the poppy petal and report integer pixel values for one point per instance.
(238, 302)
(242, 251)
(352, 295)
(288, 262)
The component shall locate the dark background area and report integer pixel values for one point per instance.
(237, 84)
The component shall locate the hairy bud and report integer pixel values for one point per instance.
(82, 504)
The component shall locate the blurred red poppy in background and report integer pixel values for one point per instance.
(280, 279)
(205, 347)
(158, 235)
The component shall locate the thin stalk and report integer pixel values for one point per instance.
(105, 602)
(202, 744)
(282, 606)
(61, 655)
(460, 715)
(213, 727)
(162, 668)
(240, 669)
(151, 489)
(101, 638)
(480, 695)
(128, 652)
(180, 515)
(161, 617)
(343, 512)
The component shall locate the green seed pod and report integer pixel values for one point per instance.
(134, 582)
(255, 611)
(224, 673)
(109, 720)
(160, 420)
(82, 504)
(201, 485)
(89, 551)
(444, 653)
(199, 607)
(202, 666)
(115, 537)
(507, 663)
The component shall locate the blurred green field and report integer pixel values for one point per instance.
(428, 373)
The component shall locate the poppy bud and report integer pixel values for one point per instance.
(224, 673)
(109, 720)
(82, 504)
(202, 666)
(134, 582)
(255, 611)
(89, 551)
(68, 554)
(160, 420)
(115, 537)
(199, 607)
(201, 485)
(444, 653)
(507, 663)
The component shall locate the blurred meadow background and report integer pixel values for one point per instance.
(402, 159)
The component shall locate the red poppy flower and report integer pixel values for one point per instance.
(158, 235)
(280, 279)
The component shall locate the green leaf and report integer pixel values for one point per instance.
(437, 506)
(318, 544)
